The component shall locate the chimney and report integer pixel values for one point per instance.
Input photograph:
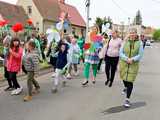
(62, 1)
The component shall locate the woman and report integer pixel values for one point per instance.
(91, 59)
(112, 57)
(14, 64)
(130, 55)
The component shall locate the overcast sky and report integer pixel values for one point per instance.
(119, 10)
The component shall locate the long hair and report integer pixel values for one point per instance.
(12, 44)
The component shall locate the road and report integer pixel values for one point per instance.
(95, 102)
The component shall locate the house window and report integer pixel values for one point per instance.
(29, 9)
(73, 31)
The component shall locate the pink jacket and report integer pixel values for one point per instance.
(14, 61)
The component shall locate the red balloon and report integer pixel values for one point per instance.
(86, 46)
(3, 23)
(17, 27)
(29, 21)
(97, 38)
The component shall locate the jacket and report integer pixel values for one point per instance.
(133, 50)
(31, 61)
(61, 60)
(14, 61)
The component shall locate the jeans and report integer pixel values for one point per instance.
(13, 78)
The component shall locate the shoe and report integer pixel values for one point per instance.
(106, 83)
(110, 85)
(64, 83)
(94, 82)
(54, 90)
(124, 91)
(127, 104)
(9, 89)
(69, 76)
(27, 98)
(85, 83)
(17, 91)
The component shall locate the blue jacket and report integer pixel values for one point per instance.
(61, 60)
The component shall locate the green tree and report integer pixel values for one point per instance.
(99, 22)
(156, 35)
(138, 18)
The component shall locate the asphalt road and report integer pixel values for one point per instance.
(95, 102)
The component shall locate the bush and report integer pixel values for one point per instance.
(156, 35)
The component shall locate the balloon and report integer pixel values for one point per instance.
(3, 23)
(66, 25)
(98, 45)
(86, 46)
(59, 26)
(49, 30)
(29, 21)
(17, 27)
(97, 38)
(53, 35)
(62, 16)
(92, 36)
(92, 48)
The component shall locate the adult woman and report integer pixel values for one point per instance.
(112, 57)
(91, 59)
(130, 54)
(14, 64)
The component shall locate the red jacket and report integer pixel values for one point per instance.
(14, 61)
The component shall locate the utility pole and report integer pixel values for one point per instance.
(88, 16)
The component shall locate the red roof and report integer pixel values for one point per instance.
(51, 9)
(13, 13)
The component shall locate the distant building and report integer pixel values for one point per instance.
(45, 13)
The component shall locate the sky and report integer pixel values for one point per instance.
(119, 10)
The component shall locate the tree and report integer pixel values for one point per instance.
(138, 18)
(99, 22)
(156, 35)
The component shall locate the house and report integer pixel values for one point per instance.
(45, 13)
(13, 13)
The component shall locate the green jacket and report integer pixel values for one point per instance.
(134, 50)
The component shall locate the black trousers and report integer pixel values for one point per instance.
(13, 78)
(6, 75)
(129, 88)
(99, 65)
(111, 67)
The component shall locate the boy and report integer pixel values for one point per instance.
(31, 65)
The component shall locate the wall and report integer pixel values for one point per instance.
(35, 16)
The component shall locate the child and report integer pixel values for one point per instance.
(73, 57)
(60, 66)
(31, 66)
(6, 43)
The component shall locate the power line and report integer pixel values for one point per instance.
(122, 10)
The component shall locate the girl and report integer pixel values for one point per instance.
(112, 57)
(60, 66)
(130, 55)
(73, 56)
(91, 59)
(14, 61)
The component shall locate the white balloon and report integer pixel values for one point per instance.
(59, 26)
(49, 30)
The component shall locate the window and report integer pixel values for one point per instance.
(29, 9)
(73, 31)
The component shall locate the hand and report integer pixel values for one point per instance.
(129, 61)
(10, 50)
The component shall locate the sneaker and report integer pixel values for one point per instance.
(127, 104)
(85, 83)
(27, 98)
(17, 91)
(69, 76)
(54, 90)
(124, 91)
(9, 89)
(36, 91)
